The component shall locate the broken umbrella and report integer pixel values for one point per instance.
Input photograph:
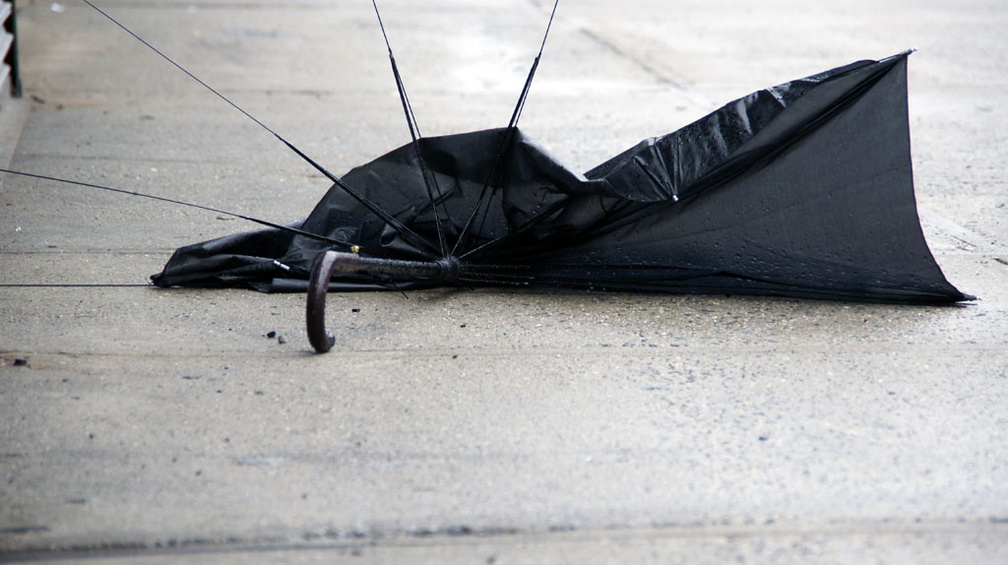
(804, 189)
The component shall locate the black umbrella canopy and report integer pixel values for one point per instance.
(803, 189)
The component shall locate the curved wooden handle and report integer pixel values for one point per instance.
(318, 286)
(442, 270)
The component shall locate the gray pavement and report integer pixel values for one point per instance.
(484, 426)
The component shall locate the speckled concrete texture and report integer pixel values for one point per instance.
(479, 425)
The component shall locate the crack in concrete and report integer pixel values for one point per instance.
(659, 76)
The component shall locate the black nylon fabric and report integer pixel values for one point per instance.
(803, 189)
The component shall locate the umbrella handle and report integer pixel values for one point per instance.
(318, 286)
(443, 270)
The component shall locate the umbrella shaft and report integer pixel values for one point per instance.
(446, 269)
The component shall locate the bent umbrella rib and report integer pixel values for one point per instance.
(401, 228)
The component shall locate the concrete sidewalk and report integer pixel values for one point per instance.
(492, 426)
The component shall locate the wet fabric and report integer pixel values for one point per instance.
(803, 189)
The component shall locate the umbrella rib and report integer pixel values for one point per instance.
(506, 139)
(518, 231)
(399, 227)
(414, 128)
(281, 227)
